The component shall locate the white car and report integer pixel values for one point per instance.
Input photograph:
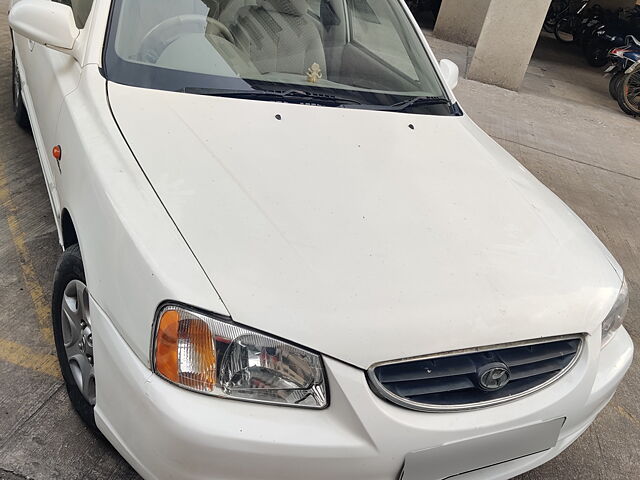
(289, 253)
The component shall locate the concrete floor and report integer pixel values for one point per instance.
(562, 127)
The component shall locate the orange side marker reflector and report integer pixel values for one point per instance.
(57, 152)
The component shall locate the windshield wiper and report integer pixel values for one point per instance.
(416, 102)
(295, 95)
(291, 95)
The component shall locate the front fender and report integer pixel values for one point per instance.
(134, 255)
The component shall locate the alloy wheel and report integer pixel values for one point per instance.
(78, 338)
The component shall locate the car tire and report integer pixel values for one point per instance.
(19, 110)
(72, 333)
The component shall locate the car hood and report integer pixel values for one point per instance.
(367, 236)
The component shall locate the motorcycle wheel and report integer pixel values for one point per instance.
(564, 30)
(629, 94)
(588, 35)
(596, 54)
(614, 84)
(555, 10)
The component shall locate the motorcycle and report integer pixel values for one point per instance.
(596, 49)
(567, 27)
(609, 33)
(557, 10)
(624, 85)
(592, 20)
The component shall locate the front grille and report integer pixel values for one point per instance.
(477, 378)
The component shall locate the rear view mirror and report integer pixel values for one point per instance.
(48, 23)
(450, 72)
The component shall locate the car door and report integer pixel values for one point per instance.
(49, 76)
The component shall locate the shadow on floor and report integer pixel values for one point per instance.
(560, 70)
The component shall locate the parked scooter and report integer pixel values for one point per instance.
(624, 85)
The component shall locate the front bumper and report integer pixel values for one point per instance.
(166, 432)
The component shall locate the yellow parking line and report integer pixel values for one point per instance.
(31, 281)
(625, 413)
(25, 357)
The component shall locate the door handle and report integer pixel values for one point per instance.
(31, 44)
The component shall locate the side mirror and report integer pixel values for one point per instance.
(450, 72)
(48, 23)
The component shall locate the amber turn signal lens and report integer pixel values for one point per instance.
(185, 351)
(167, 345)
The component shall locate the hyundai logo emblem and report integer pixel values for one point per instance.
(493, 376)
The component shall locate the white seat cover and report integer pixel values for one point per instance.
(279, 36)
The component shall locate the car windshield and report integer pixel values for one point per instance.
(354, 53)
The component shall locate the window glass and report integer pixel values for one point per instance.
(314, 7)
(367, 49)
(375, 27)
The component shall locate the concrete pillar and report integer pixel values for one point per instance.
(460, 21)
(509, 35)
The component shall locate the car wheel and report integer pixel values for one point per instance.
(19, 110)
(72, 333)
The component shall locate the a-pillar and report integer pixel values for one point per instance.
(509, 35)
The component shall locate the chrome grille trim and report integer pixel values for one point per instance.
(380, 390)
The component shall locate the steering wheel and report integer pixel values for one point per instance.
(168, 31)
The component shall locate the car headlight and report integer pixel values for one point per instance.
(616, 316)
(209, 354)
